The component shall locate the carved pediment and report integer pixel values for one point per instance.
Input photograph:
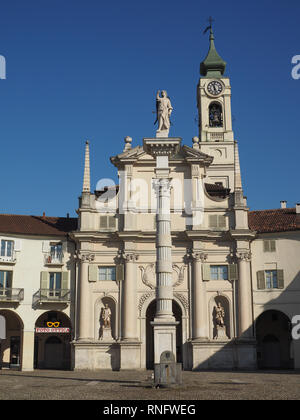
(191, 154)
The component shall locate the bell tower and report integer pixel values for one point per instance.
(214, 98)
(215, 120)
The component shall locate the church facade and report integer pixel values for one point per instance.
(235, 283)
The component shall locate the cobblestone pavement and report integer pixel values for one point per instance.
(136, 385)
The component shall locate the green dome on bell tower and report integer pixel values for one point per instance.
(213, 65)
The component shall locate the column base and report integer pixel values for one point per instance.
(164, 337)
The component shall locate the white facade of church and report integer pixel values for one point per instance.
(235, 289)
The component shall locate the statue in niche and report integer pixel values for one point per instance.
(163, 112)
(105, 332)
(215, 116)
(219, 315)
(105, 316)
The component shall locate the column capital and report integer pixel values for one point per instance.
(244, 255)
(85, 257)
(198, 256)
(130, 257)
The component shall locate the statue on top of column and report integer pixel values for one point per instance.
(163, 113)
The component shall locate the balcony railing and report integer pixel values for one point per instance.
(8, 259)
(52, 295)
(54, 258)
(11, 295)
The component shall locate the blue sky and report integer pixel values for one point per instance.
(90, 69)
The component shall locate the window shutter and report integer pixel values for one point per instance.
(103, 222)
(280, 279)
(266, 246)
(232, 272)
(205, 272)
(17, 245)
(44, 280)
(221, 221)
(120, 272)
(272, 246)
(213, 220)
(46, 246)
(261, 283)
(93, 272)
(111, 222)
(65, 280)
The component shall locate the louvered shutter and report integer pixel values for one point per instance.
(205, 272)
(65, 280)
(272, 246)
(93, 272)
(232, 272)
(120, 272)
(213, 220)
(261, 283)
(17, 245)
(111, 222)
(266, 246)
(221, 221)
(280, 279)
(103, 222)
(44, 284)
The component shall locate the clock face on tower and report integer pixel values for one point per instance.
(214, 88)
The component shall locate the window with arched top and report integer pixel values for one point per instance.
(215, 115)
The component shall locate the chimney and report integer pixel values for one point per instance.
(283, 204)
(44, 215)
(298, 208)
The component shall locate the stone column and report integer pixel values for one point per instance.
(27, 351)
(85, 310)
(244, 295)
(129, 310)
(164, 291)
(199, 298)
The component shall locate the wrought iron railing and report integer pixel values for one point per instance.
(54, 258)
(11, 259)
(11, 294)
(52, 295)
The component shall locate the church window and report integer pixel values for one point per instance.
(270, 279)
(107, 273)
(219, 272)
(215, 115)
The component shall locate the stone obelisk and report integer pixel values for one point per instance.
(162, 148)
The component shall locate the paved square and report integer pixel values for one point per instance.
(136, 385)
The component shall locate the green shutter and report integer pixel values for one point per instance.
(261, 283)
(280, 279)
(120, 272)
(232, 272)
(266, 246)
(111, 222)
(221, 221)
(213, 220)
(103, 222)
(44, 284)
(272, 246)
(65, 280)
(93, 272)
(205, 272)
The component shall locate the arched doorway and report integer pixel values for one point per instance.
(11, 346)
(273, 341)
(150, 314)
(52, 348)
